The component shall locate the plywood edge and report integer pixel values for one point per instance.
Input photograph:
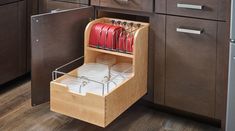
(110, 52)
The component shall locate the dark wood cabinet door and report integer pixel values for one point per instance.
(158, 51)
(12, 40)
(57, 38)
(222, 71)
(191, 65)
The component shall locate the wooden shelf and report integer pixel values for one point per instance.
(111, 52)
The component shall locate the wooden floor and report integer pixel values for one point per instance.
(17, 114)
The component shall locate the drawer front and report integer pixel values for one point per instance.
(191, 65)
(137, 5)
(194, 8)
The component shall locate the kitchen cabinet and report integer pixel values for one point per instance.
(174, 82)
(41, 72)
(158, 40)
(57, 41)
(13, 40)
(187, 51)
(191, 65)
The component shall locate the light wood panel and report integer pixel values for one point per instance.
(110, 52)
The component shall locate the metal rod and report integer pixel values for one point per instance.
(69, 63)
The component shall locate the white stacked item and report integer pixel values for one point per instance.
(97, 79)
(94, 71)
(74, 85)
(90, 79)
(121, 72)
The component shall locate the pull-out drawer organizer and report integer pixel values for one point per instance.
(102, 109)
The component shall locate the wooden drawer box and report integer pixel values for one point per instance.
(137, 5)
(102, 110)
(207, 9)
(191, 65)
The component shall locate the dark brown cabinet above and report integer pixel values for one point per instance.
(137, 5)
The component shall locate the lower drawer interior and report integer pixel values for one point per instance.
(93, 108)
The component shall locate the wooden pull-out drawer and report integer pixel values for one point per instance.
(138, 5)
(194, 8)
(101, 110)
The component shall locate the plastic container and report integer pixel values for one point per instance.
(94, 71)
(120, 72)
(124, 68)
(108, 60)
(74, 85)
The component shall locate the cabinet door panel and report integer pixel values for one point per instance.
(191, 65)
(222, 71)
(12, 41)
(157, 41)
(56, 39)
